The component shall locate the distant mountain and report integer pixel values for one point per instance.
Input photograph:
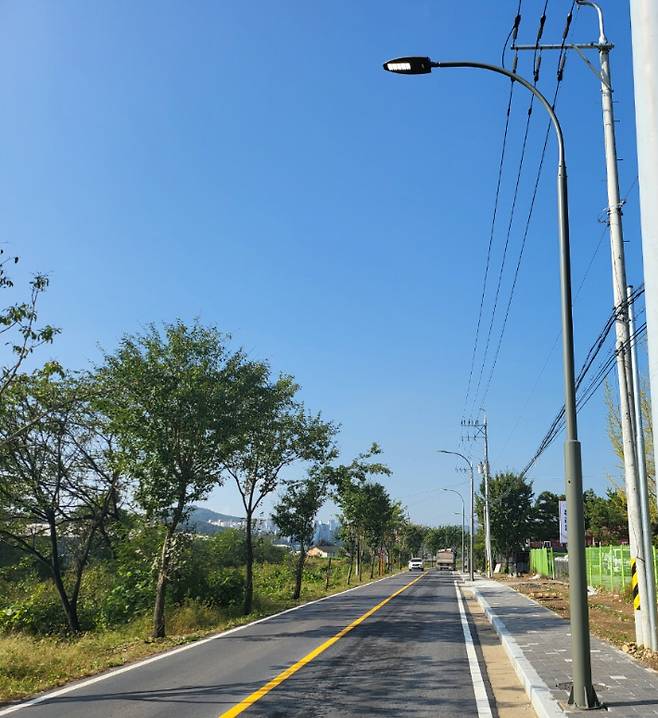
(200, 519)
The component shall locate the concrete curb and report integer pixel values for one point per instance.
(538, 692)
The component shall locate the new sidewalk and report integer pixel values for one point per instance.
(539, 645)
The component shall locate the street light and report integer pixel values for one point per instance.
(452, 491)
(582, 690)
(470, 538)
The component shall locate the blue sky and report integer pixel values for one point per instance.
(252, 165)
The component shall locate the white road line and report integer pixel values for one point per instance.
(480, 690)
(103, 677)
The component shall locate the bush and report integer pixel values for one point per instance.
(40, 612)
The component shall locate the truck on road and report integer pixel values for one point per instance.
(445, 560)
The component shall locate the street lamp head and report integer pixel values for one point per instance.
(409, 65)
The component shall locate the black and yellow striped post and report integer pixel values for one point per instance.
(634, 587)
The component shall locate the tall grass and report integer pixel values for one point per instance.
(30, 664)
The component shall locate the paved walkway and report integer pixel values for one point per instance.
(625, 686)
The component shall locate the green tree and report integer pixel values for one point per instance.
(279, 433)
(510, 513)
(347, 482)
(606, 519)
(18, 326)
(413, 539)
(377, 512)
(294, 515)
(545, 517)
(614, 432)
(59, 478)
(178, 402)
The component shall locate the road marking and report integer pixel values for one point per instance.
(291, 670)
(166, 654)
(480, 690)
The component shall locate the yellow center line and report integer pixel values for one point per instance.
(291, 670)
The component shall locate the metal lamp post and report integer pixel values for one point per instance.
(582, 691)
(452, 491)
(470, 538)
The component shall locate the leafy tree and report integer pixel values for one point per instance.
(295, 513)
(440, 537)
(510, 513)
(414, 537)
(18, 326)
(606, 519)
(59, 478)
(279, 433)
(377, 512)
(178, 402)
(434, 540)
(614, 432)
(394, 533)
(347, 481)
(545, 517)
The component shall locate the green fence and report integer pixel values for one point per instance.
(542, 561)
(608, 567)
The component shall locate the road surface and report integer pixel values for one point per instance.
(396, 647)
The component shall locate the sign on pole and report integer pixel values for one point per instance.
(563, 522)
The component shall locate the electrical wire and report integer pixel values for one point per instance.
(588, 268)
(487, 263)
(560, 75)
(557, 425)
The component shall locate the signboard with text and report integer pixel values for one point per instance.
(563, 522)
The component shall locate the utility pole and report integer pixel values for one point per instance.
(642, 479)
(624, 375)
(644, 25)
(481, 430)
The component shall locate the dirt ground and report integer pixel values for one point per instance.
(610, 615)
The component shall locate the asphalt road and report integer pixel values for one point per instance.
(407, 658)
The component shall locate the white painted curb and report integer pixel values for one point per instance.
(538, 692)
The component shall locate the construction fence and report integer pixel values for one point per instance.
(608, 567)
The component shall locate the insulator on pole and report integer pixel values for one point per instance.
(540, 31)
(537, 66)
(515, 29)
(567, 25)
(515, 62)
(560, 67)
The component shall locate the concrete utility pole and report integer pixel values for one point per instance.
(480, 429)
(624, 374)
(644, 24)
(642, 480)
(487, 522)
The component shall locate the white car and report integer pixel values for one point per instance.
(416, 564)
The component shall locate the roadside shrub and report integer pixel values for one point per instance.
(38, 613)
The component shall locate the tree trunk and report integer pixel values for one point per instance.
(249, 579)
(372, 565)
(358, 558)
(349, 570)
(160, 589)
(299, 572)
(326, 581)
(70, 609)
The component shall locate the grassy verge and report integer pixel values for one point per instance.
(30, 665)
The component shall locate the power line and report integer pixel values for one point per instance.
(560, 74)
(559, 333)
(557, 425)
(512, 35)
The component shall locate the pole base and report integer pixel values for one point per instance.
(591, 701)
